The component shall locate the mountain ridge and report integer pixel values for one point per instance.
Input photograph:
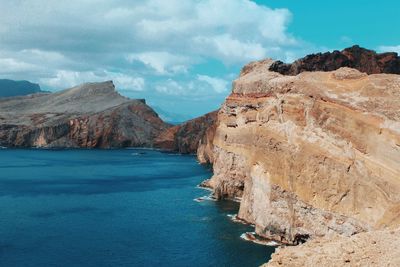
(11, 88)
(88, 115)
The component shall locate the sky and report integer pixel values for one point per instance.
(182, 56)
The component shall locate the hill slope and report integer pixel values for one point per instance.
(89, 115)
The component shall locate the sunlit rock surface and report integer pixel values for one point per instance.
(376, 248)
(311, 155)
(90, 115)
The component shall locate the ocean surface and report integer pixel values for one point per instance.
(128, 207)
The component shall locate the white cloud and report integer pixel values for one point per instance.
(219, 85)
(231, 50)
(128, 83)
(12, 65)
(202, 85)
(65, 79)
(171, 87)
(393, 48)
(150, 45)
(239, 29)
(162, 62)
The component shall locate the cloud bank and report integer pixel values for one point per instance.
(156, 47)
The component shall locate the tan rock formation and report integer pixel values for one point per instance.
(377, 248)
(310, 155)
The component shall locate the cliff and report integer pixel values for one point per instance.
(312, 154)
(90, 115)
(189, 136)
(10, 88)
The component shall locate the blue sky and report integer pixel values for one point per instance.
(180, 55)
(337, 23)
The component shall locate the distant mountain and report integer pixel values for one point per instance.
(92, 115)
(17, 88)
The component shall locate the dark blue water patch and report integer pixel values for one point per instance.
(114, 208)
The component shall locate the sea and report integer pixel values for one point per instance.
(122, 207)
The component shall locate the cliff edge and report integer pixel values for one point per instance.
(311, 154)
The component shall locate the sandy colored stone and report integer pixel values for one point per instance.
(376, 248)
(311, 155)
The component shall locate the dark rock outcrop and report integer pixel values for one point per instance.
(10, 88)
(92, 115)
(355, 57)
(189, 136)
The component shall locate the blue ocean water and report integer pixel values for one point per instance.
(127, 207)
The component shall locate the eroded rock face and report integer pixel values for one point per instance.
(190, 137)
(362, 59)
(310, 155)
(377, 248)
(92, 115)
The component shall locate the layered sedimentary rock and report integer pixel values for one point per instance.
(377, 248)
(312, 154)
(189, 136)
(90, 115)
(356, 57)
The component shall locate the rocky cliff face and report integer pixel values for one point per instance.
(189, 136)
(376, 248)
(91, 115)
(312, 154)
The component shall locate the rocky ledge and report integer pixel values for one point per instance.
(377, 248)
(311, 154)
(91, 115)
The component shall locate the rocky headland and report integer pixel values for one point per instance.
(187, 137)
(312, 149)
(9, 88)
(91, 115)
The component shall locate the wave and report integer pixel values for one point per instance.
(204, 188)
(253, 237)
(237, 199)
(236, 219)
(205, 198)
